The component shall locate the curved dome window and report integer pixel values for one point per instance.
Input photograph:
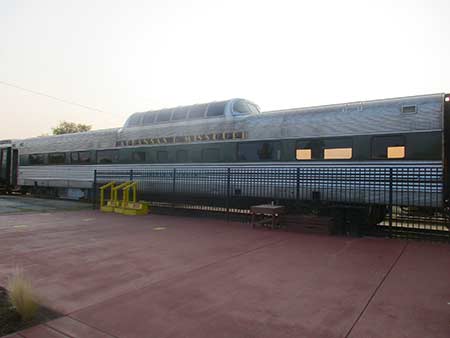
(192, 112)
(180, 113)
(253, 108)
(197, 111)
(134, 120)
(149, 118)
(164, 115)
(216, 109)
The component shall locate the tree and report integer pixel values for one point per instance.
(65, 127)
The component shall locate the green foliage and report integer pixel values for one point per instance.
(65, 127)
(22, 296)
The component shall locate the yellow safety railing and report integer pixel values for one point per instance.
(126, 194)
(115, 190)
(102, 193)
(128, 205)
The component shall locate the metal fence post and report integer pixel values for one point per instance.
(174, 180)
(94, 191)
(131, 174)
(390, 201)
(228, 192)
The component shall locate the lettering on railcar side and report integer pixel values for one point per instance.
(234, 135)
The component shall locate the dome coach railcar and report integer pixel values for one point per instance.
(399, 132)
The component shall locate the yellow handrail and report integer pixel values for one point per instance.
(126, 193)
(102, 192)
(116, 188)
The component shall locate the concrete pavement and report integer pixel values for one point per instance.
(163, 276)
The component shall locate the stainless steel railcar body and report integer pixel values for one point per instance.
(413, 117)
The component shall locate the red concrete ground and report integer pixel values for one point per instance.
(162, 276)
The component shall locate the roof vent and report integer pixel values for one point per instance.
(412, 109)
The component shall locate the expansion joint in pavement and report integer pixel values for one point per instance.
(380, 284)
(85, 324)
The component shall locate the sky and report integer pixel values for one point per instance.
(120, 57)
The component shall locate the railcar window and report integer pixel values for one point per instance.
(254, 109)
(409, 109)
(338, 148)
(78, 157)
(382, 144)
(74, 157)
(164, 115)
(134, 120)
(303, 154)
(241, 107)
(182, 156)
(138, 156)
(396, 152)
(337, 154)
(211, 155)
(148, 119)
(328, 149)
(107, 156)
(216, 109)
(56, 158)
(259, 151)
(179, 113)
(84, 156)
(309, 149)
(197, 111)
(162, 156)
(36, 159)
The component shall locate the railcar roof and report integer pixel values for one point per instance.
(355, 104)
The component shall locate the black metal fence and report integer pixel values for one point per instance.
(395, 201)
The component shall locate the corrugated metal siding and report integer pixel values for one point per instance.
(373, 117)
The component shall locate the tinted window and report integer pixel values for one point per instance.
(56, 158)
(180, 113)
(164, 115)
(134, 120)
(309, 149)
(338, 149)
(211, 155)
(107, 156)
(36, 159)
(254, 109)
(197, 111)
(182, 156)
(303, 154)
(337, 153)
(259, 151)
(216, 109)
(396, 152)
(138, 156)
(148, 119)
(85, 156)
(380, 145)
(241, 107)
(409, 109)
(162, 156)
(80, 157)
(329, 149)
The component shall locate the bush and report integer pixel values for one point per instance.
(22, 296)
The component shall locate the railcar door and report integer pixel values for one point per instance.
(14, 167)
(446, 150)
(5, 166)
